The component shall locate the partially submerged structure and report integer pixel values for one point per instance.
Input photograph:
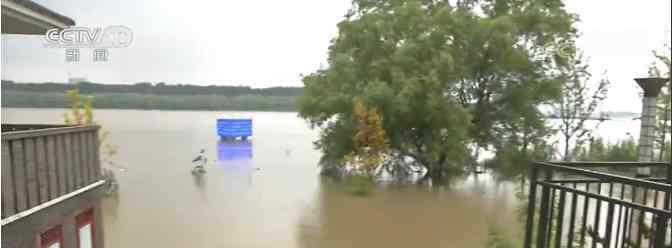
(51, 174)
(233, 128)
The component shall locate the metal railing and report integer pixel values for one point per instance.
(585, 204)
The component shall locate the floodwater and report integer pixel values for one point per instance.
(267, 192)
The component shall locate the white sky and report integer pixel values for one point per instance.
(271, 43)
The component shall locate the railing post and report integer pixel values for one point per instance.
(544, 221)
(610, 224)
(661, 231)
(530, 206)
(669, 173)
(668, 194)
(661, 225)
(660, 221)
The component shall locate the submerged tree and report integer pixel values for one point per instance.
(370, 148)
(578, 104)
(442, 75)
(524, 141)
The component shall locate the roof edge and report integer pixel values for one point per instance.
(40, 13)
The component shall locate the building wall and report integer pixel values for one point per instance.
(25, 232)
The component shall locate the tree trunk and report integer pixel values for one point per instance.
(567, 139)
(476, 154)
(435, 175)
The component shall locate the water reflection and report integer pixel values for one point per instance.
(200, 180)
(111, 205)
(234, 164)
(234, 150)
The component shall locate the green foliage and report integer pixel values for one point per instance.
(597, 150)
(526, 141)
(497, 239)
(512, 161)
(11, 98)
(152, 96)
(578, 103)
(625, 150)
(442, 75)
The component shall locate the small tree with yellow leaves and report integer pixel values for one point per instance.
(77, 104)
(370, 144)
(81, 113)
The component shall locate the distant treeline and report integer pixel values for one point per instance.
(152, 96)
(149, 88)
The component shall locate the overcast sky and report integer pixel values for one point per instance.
(271, 43)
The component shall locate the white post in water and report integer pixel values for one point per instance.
(647, 135)
(647, 132)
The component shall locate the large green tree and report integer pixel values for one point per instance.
(443, 75)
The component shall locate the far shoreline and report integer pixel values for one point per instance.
(159, 109)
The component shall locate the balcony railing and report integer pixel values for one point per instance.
(41, 163)
(598, 205)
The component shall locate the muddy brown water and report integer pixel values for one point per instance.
(267, 192)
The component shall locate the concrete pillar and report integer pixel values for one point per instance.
(647, 134)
